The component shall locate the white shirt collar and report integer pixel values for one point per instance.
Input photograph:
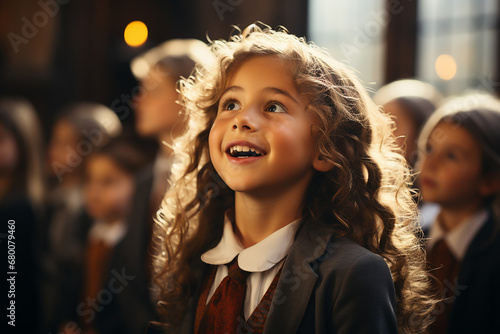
(257, 258)
(109, 234)
(459, 238)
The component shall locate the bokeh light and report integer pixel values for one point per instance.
(136, 33)
(446, 67)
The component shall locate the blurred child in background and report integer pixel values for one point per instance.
(20, 149)
(21, 193)
(410, 103)
(157, 116)
(109, 185)
(79, 131)
(460, 171)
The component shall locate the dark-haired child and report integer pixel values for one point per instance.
(109, 184)
(460, 171)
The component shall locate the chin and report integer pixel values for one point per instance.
(430, 199)
(250, 189)
(95, 213)
(144, 129)
(239, 187)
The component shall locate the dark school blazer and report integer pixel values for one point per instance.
(477, 305)
(130, 311)
(328, 284)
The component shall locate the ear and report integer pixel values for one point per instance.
(490, 185)
(321, 164)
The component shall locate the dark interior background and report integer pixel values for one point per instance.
(78, 52)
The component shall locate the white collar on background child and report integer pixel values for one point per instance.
(109, 234)
(459, 238)
(257, 258)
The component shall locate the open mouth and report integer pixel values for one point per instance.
(239, 151)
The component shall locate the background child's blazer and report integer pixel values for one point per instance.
(477, 305)
(327, 285)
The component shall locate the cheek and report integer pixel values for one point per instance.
(156, 108)
(92, 190)
(87, 194)
(62, 151)
(451, 182)
(121, 194)
(458, 179)
(127, 191)
(56, 153)
(293, 142)
(215, 139)
(9, 154)
(96, 201)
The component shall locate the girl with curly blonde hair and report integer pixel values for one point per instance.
(290, 210)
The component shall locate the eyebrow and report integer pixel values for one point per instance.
(462, 150)
(270, 89)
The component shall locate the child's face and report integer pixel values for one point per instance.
(451, 168)
(262, 111)
(63, 141)
(405, 131)
(157, 113)
(9, 151)
(108, 189)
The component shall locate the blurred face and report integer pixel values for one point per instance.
(405, 132)
(451, 168)
(9, 151)
(261, 139)
(108, 189)
(157, 113)
(64, 136)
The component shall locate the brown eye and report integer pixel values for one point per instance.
(231, 105)
(276, 107)
(428, 149)
(451, 156)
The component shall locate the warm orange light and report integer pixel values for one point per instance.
(446, 67)
(136, 33)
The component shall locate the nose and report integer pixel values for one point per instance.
(246, 120)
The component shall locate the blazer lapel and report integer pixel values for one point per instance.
(297, 280)
(200, 269)
(478, 245)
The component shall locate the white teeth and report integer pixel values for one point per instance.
(238, 148)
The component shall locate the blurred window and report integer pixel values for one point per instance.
(460, 35)
(353, 32)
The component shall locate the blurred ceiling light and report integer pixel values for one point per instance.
(446, 67)
(136, 33)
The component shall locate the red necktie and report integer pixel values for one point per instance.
(445, 267)
(224, 312)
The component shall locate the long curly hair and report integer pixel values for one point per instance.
(365, 197)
